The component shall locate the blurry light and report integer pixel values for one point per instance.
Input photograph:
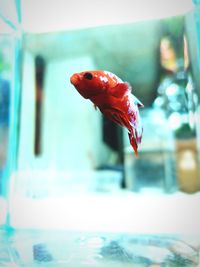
(172, 89)
(192, 119)
(175, 120)
(186, 54)
(187, 160)
(167, 54)
(159, 102)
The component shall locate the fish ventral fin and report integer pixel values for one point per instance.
(133, 143)
(120, 90)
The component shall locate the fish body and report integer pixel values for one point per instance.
(114, 99)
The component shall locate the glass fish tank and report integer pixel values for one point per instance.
(75, 188)
(10, 90)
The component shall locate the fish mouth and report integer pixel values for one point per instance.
(74, 79)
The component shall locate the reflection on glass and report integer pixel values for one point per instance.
(63, 248)
(9, 95)
(5, 86)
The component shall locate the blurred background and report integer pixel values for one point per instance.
(53, 142)
(60, 130)
(64, 166)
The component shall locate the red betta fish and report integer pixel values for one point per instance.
(114, 99)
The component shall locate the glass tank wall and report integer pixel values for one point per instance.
(55, 142)
(72, 191)
(10, 50)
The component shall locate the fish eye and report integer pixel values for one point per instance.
(88, 76)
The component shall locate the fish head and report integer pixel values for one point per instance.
(94, 82)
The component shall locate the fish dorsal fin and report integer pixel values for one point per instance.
(120, 90)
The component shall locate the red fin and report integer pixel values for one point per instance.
(133, 143)
(118, 116)
(120, 90)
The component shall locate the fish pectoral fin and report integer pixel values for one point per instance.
(138, 102)
(120, 90)
(114, 115)
(118, 117)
